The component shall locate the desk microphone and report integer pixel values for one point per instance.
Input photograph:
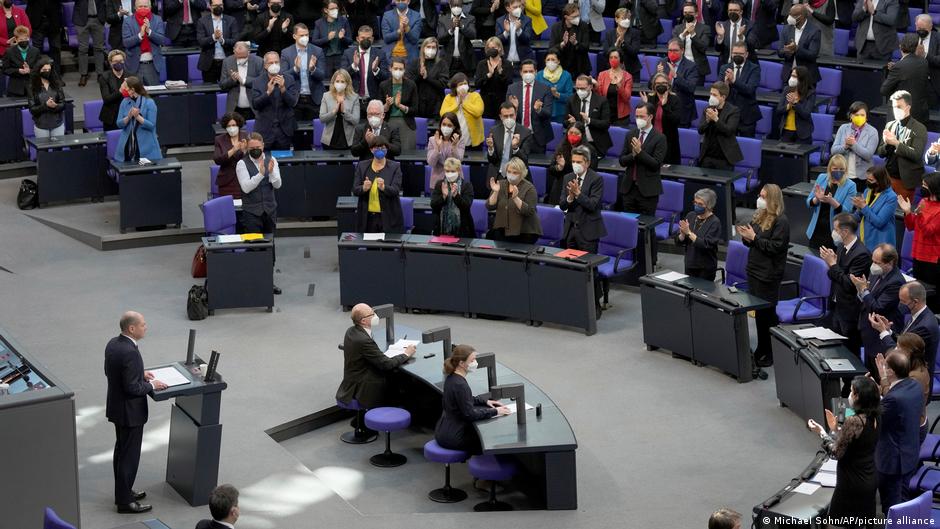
(729, 301)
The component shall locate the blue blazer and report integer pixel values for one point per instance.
(743, 92)
(878, 219)
(881, 298)
(684, 84)
(927, 328)
(315, 77)
(146, 132)
(844, 194)
(807, 51)
(130, 31)
(899, 429)
(523, 39)
(565, 87)
(390, 33)
(321, 32)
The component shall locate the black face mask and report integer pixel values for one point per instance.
(255, 153)
(118, 67)
(216, 10)
(23, 45)
(275, 8)
(661, 89)
(689, 18)
(738, 59)
(365, 44)
(922, 33)
(492, 52)
(734, 16)
(45, 75)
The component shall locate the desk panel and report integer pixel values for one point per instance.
(497, 272)
(371, 274)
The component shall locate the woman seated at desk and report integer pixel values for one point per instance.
(451, 199)
(378, 185)
(514, 199)
(454, 429)
(700, 233)
(137, 119)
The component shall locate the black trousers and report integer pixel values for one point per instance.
(929, 273)
(246, 113)
(126, 461)
(765, 319)
(41, 33)
(187, 36)
(305, 110)
(848, 326)
(264, 223)
(703, 273)
(214, 73)
(709, 162)
(499, 234)
(868, 51)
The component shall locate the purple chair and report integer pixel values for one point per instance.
(51, 520)
(220, 99)
(712, 69)
(770, 73)
(408, 212)
(666, 34)
(750, 148)
(359, 435)
(492, 469)
(250, 126)
(92, 109)
(29, 131)
(907, 260)
(218, 216)
(619, 244)
(592, 58)
(618, 135)
(438, 454)
(481, 217)
(610, 189)
(487, 125)
(814, 290)
(550, 20)
(213, 181)
(649, 67)
(553, 223)
(699, 110)
(734, 274)
(194, 73)
(690, 145)
(912, 13)
(669, 208)
(765, 122)
(421, 133)
(829, 85)
(111, 141)
(388, 420)
(558, 133)
(822, 136)
(70, 32)
(912, 514)
(317, 132)
(540, 179)
(840, 42)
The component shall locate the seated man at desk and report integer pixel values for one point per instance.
(365, 366)
(223, 506)
(454, 429)
(258, 175)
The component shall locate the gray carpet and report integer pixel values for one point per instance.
(662, 443)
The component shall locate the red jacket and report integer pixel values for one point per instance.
(19, 16)
(926, 228)
(624, 91)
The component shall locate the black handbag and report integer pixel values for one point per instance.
(28, 196)
(197, 303)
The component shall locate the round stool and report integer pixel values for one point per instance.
(388, 420)
(359, 435)
(438, 454)
(492, 469)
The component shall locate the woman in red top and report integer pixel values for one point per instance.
(924, 221)
(12, 16)
(616, 84)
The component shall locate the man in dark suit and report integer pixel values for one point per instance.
(896, 454)
(506, 140)
(876, 38)
(376, 65)
(695, 37)
(273, 97)
(735, 30)
(742, 77)
(646, 19)
(239, 71)
(374, 125)
(903, 142)
(365, 366)
(306, 63)
(223, 506)
(912, 74)
(584, 225)
(642, 156)
(928, 47)
(799, 45)
(457, 28)
(685, 79)
(128, 387)
(16, 67)
(429, 11)
(89, 17)
(592, 109)
(215, 33)
(45, 17)
(115, 13)
(533, 102)
(718, 128)
(624, 39)
(851, 259)
(271, 29)
(763, 17)
(912, 299)
(181, 17)
(879, 295)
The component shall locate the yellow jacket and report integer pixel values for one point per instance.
(472, 111)
(533, 8)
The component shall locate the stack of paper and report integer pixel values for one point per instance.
(512, 406)
(170, 376)
(806, 488)
(827, 474)
(227, 239)
(398, 347)
(373, 236)
(820, 333)
(669, 277)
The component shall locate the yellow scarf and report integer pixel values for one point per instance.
(861, 225)
(553, 77)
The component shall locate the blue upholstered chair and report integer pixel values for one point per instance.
(218, 216)
(438, 454)
(51, 520)
(619, 244)
(814, 287)
(669, 208)
(92, 109)
(492, 469)
(553, 223)
(734, 273)
(388, 420)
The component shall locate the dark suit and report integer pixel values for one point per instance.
(127, 409)
(315, 79)
(807, 51)
(274, 114)
(926, 327)
(646, 18)
(463, 200)
(933, 62)
(629, 49)
(173, 16)
(392, 218)
(724, 47)
(254, 70)
(584, 225)
(18, 83)
(803, 113)
(685, 82)
(886, 37)
(540, 121)
(409, 99)
(641, 183)
(701, 41)
(599, 112)
(274, 40)
(881, 298)
(445, 39)
(765, 23)
(115, 39)
(372, 78)
(844, 303)
(45, 17)
(573, 58)
(364, 369)
(209, 524)
(896, 454)
(719, 141)
(111, 97)
(743, 94)
(909, 152)
(498, 133)
(911, 73)
(205, 37)
(360, 147)
(524, 36)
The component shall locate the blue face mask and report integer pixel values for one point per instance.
(837, 175)
(402, 7)
(904, 309)
(379, 154)
(698, 209)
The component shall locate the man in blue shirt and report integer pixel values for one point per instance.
(306, 64)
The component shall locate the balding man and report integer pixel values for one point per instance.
(878, 294)
(365, 365)
(239, 71)
(273, 96)
(144, 33)
(128, 387)
(375, 125)
(928, 47)
(918, 319)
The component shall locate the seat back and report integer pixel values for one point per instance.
(765, 122)
(913, 13)
(487, 125)
(822, 128)
(592, 58)
(712, 69)
(220, 99)
(699, 110)
(770, 73)
(214, 180)
(111, 141)
(92, 109)
(610, 189)
(553, 222)
(736, 263)
(193, 71)
(666, 34)
(840, 42)
(421, 133)
(649, 67)
(408, 212)
(618, 135)
(481, 217)
(814, 279)
(829, 85)
(912, 513)
(558, 132)
(317, 133)
(907, 260)
(51, 520)
(250, 127)
(750, 149)
(218, 216)
(671, 203)
(550, 20)
(539, 179)
(690, 144)
(621, 235)
(29, 131)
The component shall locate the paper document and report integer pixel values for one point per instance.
(806, 488)
(574, 254)
(237, 202)
(907, 278)
(155, 88)
(826, 479)
(373, 236)
(398, 347)
(671, 276)
(839, 364)
(829, 466)
(252, 236)
(821, 333)
(444, 239)
(512, 406)
(225, 239)
(170, 376)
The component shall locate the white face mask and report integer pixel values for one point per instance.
(456, 11)
(446, 131)
(836, 238)
(430, 53)
(641, 123)
(374, 321)
(398, 74)
(451, 177)
(577, 168)
(472, 366)
(575, 21)
(551, 65)
(509, 123)
(232, 131)
(517, 12)
(713, 101)
(791, 20)
(583, 94)
(528, 77)
(875, 270)
(898, 113)
(274, 69)
(374, 121)
(513, 178)
(303, 41)
(333, 13)
(761, 203)
(340, 87)
(463, 89)
(793, 81)
(624, 23)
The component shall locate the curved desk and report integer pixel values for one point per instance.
(791, 506)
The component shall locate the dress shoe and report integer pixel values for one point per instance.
(764, 361)
(83, 80)
(133, 508)
(277, 290)
(138, 495)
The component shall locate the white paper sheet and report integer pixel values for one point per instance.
(373, 236)
(839, 364)
(155, 88)
(826, 479)
(512, 406)
(237, 202)
(398, 347)
(907, 278)
(820, 333)
(170, 376)
(671, 276)
(829, 466)
(225, 239)
(806, 488)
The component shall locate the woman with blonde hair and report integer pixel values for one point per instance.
(431, 73)
(832, 194)
(451, 199)
(515, 202)
(768, 237)
(493, 76)
(340, 101)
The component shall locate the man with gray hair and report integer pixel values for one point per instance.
(700, 232)
(273, 96)
(928, 47)
(904, 140)
(239, 71)
(144, 34)
(128, 387)
(918, 319)
(373, 126)
(878, 294)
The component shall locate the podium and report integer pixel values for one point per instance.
(192, 459)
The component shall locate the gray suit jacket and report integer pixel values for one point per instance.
(328, 116)
(227, 84)
(886, 15)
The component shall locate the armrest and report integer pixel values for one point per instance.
(617, 260)
(722, 270)
(796, 309)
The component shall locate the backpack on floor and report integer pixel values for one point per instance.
(28, 196)
(197, 303)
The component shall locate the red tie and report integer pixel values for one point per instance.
(186, 19)
(362, 74)
(526, 99)
(642, 137)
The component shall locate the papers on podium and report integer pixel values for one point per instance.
(170, 376)
(373, 236)
(820, 333)
(398, 347)
(669, 277)
(512, 406)
(806, 488)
